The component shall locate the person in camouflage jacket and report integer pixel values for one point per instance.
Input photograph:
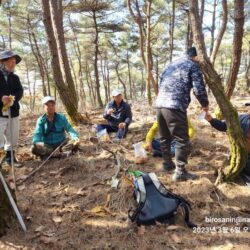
(177, 80)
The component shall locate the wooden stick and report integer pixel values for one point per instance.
(37, 169)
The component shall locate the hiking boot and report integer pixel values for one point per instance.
(183, 175)
(167, 166)
(94, 140)
(2, 156)
(66, 154)
(7, 160)
(116, 140)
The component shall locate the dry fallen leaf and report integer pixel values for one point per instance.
(22, 187)
(81, 192)
(57, 219)
(175, 238)
(141, 230)
(99, 210)
(39, 229)
(48, 240)
(173, 227)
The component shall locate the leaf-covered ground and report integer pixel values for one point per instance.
(69, 203)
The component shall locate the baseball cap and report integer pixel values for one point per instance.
(116, 92)
(47, 99)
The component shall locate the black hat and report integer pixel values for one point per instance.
(8, 54)
(191, 52)
(247, 104)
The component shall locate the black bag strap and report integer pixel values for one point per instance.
(134, 213)
(185, 209)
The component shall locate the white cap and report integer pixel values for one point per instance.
(116, 92)
(47, 99)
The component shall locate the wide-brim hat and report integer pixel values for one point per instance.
(8, 54)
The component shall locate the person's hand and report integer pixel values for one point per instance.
(6, 100)
(110, 111)
(205, 108)
(39, 144)
(208, 117)
(122, 125)
(76, 142)
(148, 146)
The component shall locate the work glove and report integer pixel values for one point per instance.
(8, 101)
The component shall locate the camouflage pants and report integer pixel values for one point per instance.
(46, 150)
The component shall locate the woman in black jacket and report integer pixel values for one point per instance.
(11, 92)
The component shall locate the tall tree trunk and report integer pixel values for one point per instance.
(90, 85)
(29, 86)
(145, 37)
(237, 46)
(148, 59)
(189, 36)
(82, 93)
(222, 30)
(157, 67)
(104, 80)
(213, 26)
(9, 15)
(47, 73)
(96, 41)
(120, 80)
(142, 82)
(129, 76)
(171, 32)
(36, 52)
(53, 22)
(34, 92)
(247, 74)
(237, 142)
(108, 78)
(202, 8)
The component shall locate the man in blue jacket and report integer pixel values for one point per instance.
(50, 131)
(118, 114)
(244, 120)
(176, 82)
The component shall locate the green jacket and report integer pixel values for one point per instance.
(53, 133)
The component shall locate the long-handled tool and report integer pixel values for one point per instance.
(11, 149)
(39, 167)
(13, 204)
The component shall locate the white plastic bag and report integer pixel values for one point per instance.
(140, 153)
(202, 116)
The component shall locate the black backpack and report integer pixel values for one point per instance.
(156, 203)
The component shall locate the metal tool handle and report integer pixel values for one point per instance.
(13, 204)
(11, 150)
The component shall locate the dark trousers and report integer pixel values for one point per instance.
(120, 132)
(246, 170)
(156, 146)
(173, 125)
